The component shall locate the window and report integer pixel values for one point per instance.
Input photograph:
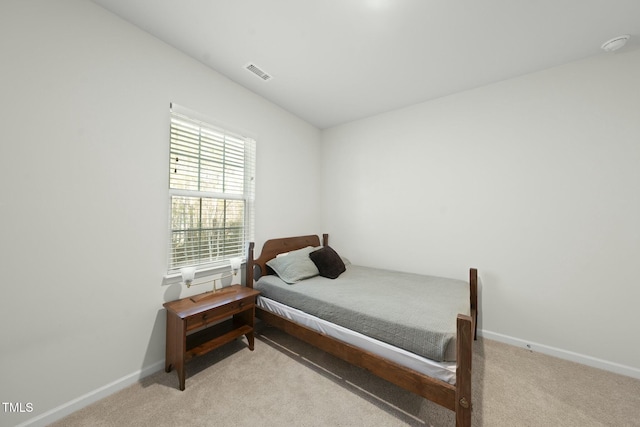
(211, 186)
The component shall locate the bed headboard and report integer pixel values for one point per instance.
(273, 247)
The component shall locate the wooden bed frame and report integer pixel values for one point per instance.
(454, 397)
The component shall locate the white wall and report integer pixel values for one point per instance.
(535, 181)
(85, 116)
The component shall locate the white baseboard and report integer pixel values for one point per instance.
(563, 354)
(74, 405)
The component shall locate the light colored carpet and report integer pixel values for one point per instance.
(285, 382)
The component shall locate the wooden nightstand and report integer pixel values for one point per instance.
(197, 327)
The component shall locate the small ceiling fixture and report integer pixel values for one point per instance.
(615, 43)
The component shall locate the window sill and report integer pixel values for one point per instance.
(205, 272)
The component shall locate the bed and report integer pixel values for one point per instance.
(425, 349)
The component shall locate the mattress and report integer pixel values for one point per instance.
(413, 312)
(444, 371)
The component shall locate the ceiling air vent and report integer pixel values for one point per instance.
(258, 72)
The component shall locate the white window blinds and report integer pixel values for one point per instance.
(211, 184)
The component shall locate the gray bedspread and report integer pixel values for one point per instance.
(414, 312)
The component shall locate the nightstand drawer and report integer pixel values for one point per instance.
(218, 313)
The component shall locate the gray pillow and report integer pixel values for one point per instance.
(295, 265)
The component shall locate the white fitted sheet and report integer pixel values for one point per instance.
(445, 371)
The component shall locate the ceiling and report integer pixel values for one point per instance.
(334, 61)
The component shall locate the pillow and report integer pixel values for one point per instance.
(295, 266)
(328, 262)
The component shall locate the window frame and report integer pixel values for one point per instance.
(231, 137)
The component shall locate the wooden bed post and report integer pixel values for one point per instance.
(249, 272)
(325, 239)
(464, 343)
(473, 283)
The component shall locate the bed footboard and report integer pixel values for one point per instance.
(456, 398)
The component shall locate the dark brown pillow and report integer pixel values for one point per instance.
(328, 262)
